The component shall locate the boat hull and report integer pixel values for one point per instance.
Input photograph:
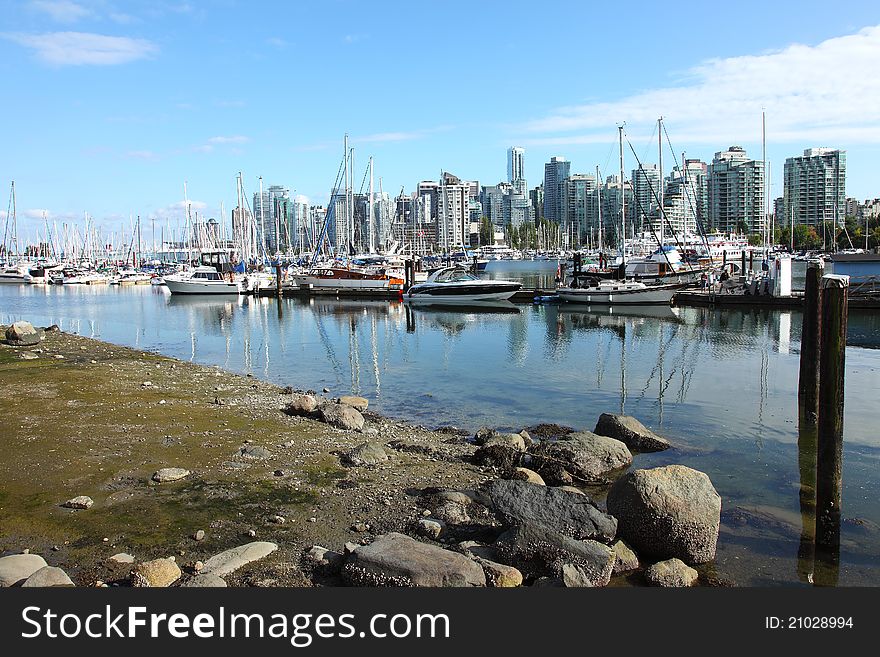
(195, 287)
(642, 297)
(451, 293)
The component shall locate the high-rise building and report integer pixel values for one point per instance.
(536, 198)
(815, 187)
(270, 215)
(453, 212)
(646, 194)
(555, 173)
(515, 164)
(580, 214)
(736, 192)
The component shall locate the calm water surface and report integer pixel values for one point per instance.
(721, 385)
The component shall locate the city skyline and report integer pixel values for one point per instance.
(111, 107)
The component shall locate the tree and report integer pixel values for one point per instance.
(487, 232)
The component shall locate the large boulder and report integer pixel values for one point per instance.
(341, 416)
(397, 560)
(630, 432)
(511, 440)
(673, 511)
(584, 455)
(23, 334)
(79, 502)
(158, 573)
(18, 567)
(48, 576)
(625, 559)
(165, 475)
(205, 581)
(671, 573)
(572, 515)
(358, 403)
(368, 453)
(231, 560)
(540, 551)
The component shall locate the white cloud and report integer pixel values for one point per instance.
(234, 139)
(828, 93)
(62, 11)
(80, 48)
(37, 213)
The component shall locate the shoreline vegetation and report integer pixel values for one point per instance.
(129, 468)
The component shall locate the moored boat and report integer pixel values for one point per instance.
(202, 280)
(458, 285)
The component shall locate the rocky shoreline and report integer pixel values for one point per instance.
(128, 468)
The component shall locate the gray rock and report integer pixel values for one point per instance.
(18, 567)
(457, 496)
(482, 435)
(584, 455)
(368, 453)
(331, 562)
(625, 558)
(199, 535)
(499, 575)
(511, 440)
(203, 581)
(169, 474)
(79, 502)
(397, 560)
(23, 334)
(302, 405)
(430, 528)
(28, 355)
(158, 573)
(671, 573)
(48, 576)
(594, 573)
(567, 513)
(341, 416)
(498, 455)
(254, 452)
(121, 557)
(231, 560)
(673, 511)
(452, 513)
(358, 403)
(538, 550)
(524, 474)
(630, 432)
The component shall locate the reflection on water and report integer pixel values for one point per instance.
(721, 385)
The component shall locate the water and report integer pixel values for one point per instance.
(720, 385)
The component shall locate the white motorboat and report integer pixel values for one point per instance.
(15, 274)
(339, 278)
(201, 280)
(620, 292)
(458, 285)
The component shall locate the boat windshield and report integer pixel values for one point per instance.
(454, 276)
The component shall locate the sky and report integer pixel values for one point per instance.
(109, 107)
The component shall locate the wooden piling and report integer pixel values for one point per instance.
(829, 453)
(278, 281)
(808, 379)
(743, 264)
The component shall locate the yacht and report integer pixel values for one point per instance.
(14, 274)
(201, 280)
(620, 293)
(458, 285)
(340, 278)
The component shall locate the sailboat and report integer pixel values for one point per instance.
(13, 272)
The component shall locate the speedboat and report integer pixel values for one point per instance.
(620, 292)
(201, 280)
(458, 285)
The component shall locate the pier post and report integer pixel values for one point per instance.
(808, 379)
(829, 453)
(743, 264)
(278, 281)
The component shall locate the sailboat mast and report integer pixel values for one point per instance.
(599, 207)
(371, 233)
(262, 220)
(764, 228)
(662, 186)
(622, 203)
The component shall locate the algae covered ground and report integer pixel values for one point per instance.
(89, 418)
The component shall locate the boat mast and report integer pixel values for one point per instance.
(764, 231)
(371, 233)
(622, 204)
(660, 157)
(262, 221)
(598, 208)
(189, 232)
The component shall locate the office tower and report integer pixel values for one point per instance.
(815, 187)
(555, 173)
(736, 192)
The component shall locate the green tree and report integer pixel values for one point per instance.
(487, 232)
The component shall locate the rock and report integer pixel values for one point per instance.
(301, 405)
(538, 550)
(165, 475)
(498, 455)
(158, 573)
(397, 560)
(204, 581)
(569, 514)
(28, 355)
(673, 511)
(542, 582)
(430, 528)
(572, 489)
(456, 496)
(199, 535)
(630, 432)
(499, 575)
(524, 474)
(511, 440)
(48, 576)
(482, 435)
(254, 452)
(121, 557)
(341, 416)
(79, 502)
(18, 567)
(549, 431)
(452, 513)
(358, 403)
(52, 329)
(23, 334)
(368, 453)
(331, 562)
(625, 559)
(671, 573)
(235, 558)
(147, 384)
(584, 455)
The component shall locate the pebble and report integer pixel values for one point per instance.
(147, 384)
(79, 502)
(313, 519)
(198, 565)
(59, 356)
(251, 533)
(199, 535)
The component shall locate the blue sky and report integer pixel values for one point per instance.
(109, 106)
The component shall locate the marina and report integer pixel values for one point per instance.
(719, 383)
